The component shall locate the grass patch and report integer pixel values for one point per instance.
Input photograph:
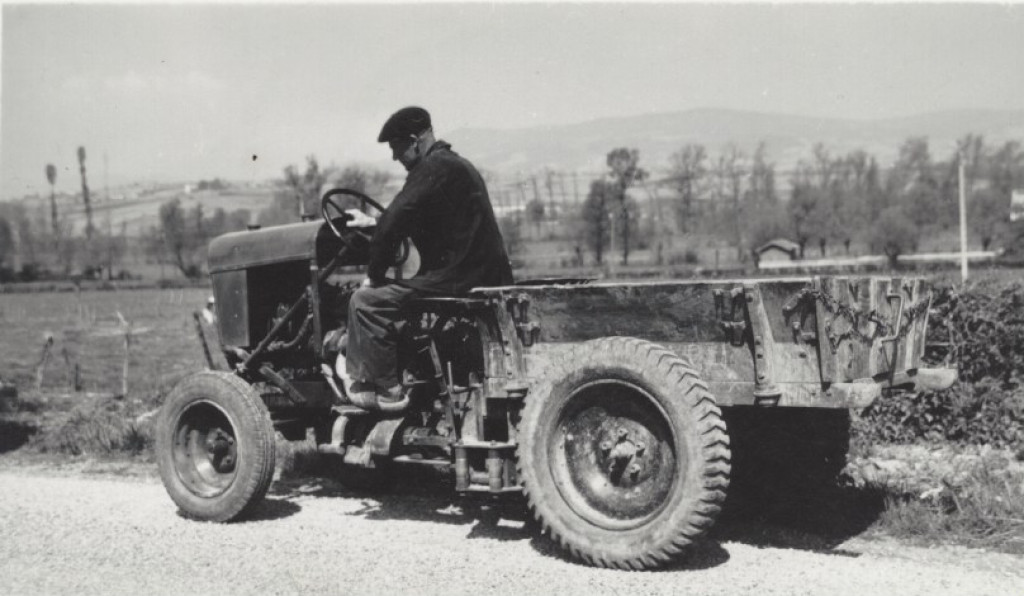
(298, 459)
(104, 427)
(974, 497)
(68, 396)
(987, 511)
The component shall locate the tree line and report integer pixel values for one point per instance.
(832, 201)
(181, 235)
(36, 242)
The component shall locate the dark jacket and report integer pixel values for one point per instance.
(445, 209)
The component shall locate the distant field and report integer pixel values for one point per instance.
(86, 328)
(141, 213)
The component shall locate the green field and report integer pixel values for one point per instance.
(87, 331)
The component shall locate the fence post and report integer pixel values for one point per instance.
(127, 353)
(43, 359)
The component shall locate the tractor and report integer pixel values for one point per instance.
(612, 407)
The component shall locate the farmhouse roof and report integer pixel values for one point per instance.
(780, 243)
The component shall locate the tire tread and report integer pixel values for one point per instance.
(712, 445)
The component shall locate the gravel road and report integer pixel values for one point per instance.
(76, 534)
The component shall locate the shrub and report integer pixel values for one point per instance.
(104, 428)
(979, 329)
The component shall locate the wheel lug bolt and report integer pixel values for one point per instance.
(606, 446)
(623, 433)
(634, 469)
(640, 447)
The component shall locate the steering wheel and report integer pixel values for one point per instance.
(404, 248)
(328, 201)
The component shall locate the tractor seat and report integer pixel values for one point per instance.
(445, 306)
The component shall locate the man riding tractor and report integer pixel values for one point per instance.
(445, 210)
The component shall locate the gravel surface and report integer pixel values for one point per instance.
(76, 534)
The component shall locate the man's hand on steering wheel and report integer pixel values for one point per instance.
(328, 201)
(356, 239)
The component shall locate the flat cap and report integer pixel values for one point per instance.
(403, 123)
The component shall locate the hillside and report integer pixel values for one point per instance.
(582, 147)
(788, 138)
(137, 207)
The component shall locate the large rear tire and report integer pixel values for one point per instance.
(623, 455)
(215, 446)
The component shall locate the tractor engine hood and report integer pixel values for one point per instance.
(276, 244)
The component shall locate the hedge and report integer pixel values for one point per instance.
(979, 329)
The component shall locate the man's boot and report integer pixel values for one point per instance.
(368, 397)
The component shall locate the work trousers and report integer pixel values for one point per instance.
(372, 355)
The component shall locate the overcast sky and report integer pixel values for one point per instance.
(191, 91)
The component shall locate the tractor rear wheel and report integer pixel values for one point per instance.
(215, 446)
(623, 455)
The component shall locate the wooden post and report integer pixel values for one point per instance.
(43, 359)
(127, 353)
(74, 381)
(963, 220)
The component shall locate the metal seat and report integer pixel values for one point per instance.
(444, 306)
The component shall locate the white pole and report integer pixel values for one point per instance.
(963, 221)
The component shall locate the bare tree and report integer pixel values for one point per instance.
(51, 177)
(624, 173)
(730, 171)
(1006, 167)
(761, 188)
(688, 169)
(535, 215)
(85, 194)
(801, 205)
(594, 216)
(368, 181)
(894, 233)
(988, 213)
(7, 246)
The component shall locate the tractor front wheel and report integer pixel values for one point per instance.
(215, 446)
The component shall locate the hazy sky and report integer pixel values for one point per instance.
(192, 91)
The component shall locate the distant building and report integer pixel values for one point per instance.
(776, 250)
(1017, 205)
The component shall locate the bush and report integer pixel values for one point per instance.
(688, 257)
(104, 428)
(979, 329)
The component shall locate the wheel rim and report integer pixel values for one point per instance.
(205, 449)
(613, 455)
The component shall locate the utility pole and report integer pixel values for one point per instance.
(963, 220)
(109, 219)
(549, 182)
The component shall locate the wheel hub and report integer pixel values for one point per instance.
(615, 461)
(205, 450)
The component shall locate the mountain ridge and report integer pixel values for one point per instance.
(787, 137)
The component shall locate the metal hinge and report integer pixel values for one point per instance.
(734, 329)
(528, 331)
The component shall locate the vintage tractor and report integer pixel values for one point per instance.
(606, 404)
